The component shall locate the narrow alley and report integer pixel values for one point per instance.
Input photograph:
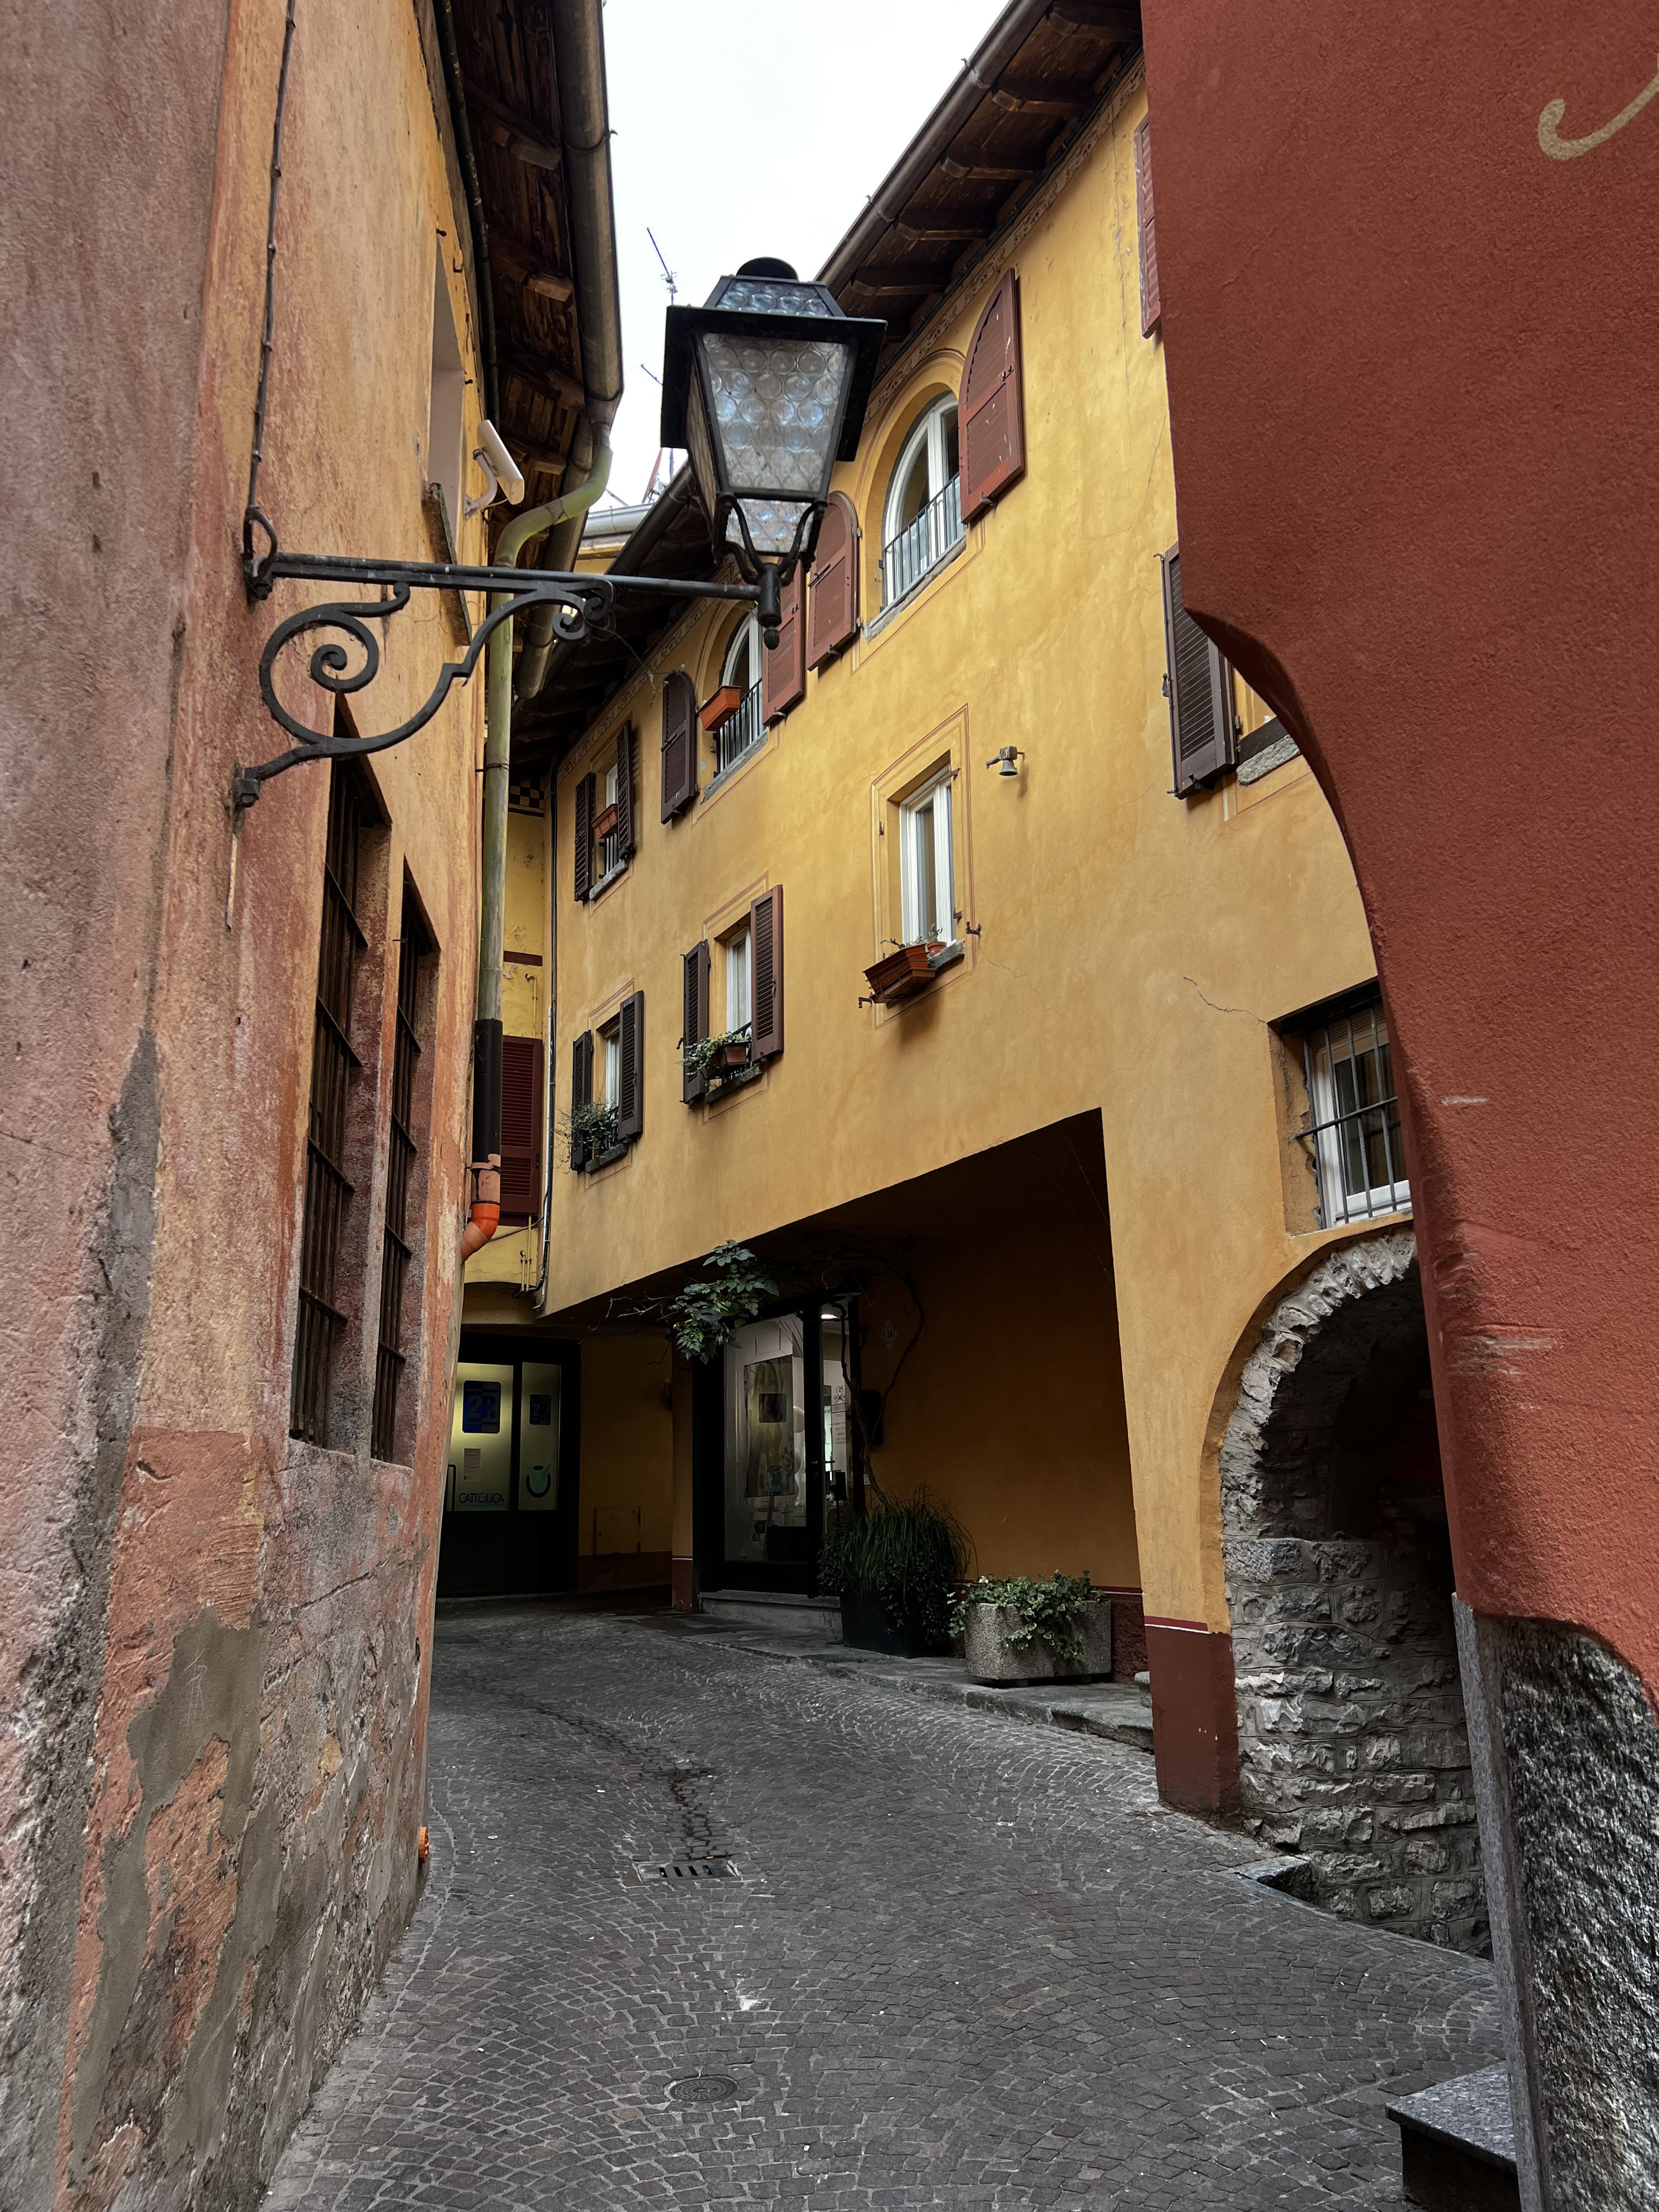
(961, 1961)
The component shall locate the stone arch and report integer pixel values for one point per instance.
(1353, 1747)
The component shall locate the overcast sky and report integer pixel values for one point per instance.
(744, 127)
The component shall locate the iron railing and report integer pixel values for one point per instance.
(328, 1191)
(923, 545)
(1359, 1161)
(390, 1358)
(744, 730)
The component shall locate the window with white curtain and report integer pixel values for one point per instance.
(739, 996)
(927, 872)
(923, 517)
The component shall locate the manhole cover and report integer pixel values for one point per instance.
(684, 1871)
(703, 2089)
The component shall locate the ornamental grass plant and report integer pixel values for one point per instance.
(906, 1556)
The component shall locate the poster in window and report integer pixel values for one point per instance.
(767, 1390)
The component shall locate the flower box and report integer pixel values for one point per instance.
(729, 1059)
(606, 823)
(721, 709)
(991, 1658)
(902, 973)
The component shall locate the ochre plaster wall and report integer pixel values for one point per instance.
(627, 1447)
(213, 1642)
(1134, 946)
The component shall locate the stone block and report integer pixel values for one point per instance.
(1381, 1751)
(1282, 1558)
(1449, 1897)
(1391, 1902)
(1442, 1746)
(1423, 1855)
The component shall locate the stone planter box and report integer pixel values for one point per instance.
(992, 1659)
(864, 1627)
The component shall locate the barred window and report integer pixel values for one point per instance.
(1354, 1115)
(390, 1359)
(329, 1194)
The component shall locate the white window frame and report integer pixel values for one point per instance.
(608, 859)
(1339, 1204)
(936, 794)
(739, 979)
(903, 575)
(738, 737)
(611, 1040)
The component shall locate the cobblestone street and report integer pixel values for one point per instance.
(965, 1962)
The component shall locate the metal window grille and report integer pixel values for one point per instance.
(333, 1062)
(923, 545)
(1355, 1121)
(390, 1358)
(610, 855)
(741, 730)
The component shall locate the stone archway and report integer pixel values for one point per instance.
(1353, 1744)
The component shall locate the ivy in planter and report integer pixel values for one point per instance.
(715, 1057)
(589, 1131)
(707, 1314)
(1050, 1610)
(907, 1556)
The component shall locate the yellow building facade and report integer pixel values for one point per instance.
(1029, 1215)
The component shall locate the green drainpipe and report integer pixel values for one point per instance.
(498, 749)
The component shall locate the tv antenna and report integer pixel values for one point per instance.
(668, 276)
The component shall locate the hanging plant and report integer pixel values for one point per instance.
(717, 1056)
(707, 1313)
(588, 1131)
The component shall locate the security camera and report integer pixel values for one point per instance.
(506, 477)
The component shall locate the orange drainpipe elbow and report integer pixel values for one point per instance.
(486, 1215)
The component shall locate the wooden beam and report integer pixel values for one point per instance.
(1032, 96)
(529, 368)
(933, 235)
(895, 281)
(523, 263)
(522, 139)
(1109, 17)
(974, 172)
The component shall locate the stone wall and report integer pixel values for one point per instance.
(1352, 1743)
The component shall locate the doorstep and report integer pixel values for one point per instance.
(785, 1612)
(1457, 2145)
(1117, 1712)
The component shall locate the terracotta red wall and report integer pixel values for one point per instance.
(1414, 396)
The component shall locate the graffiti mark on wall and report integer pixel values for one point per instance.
(1569, 149)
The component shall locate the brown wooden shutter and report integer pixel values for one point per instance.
(584, 869)
(1199, 685)
(1151, 301)
(581, 1087)
(694, 1015)
(626, 749)
(766, 959)
(993, 407)
(833, 615)
(783, 668)
(521, 1128)
(679, 744)
(630, 1069)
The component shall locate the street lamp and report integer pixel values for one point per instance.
(765, 386)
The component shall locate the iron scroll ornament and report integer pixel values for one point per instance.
(583, 607)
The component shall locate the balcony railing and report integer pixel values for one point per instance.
(741, 732)
(923, 545)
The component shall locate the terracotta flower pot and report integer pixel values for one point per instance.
(902, 973)
(729, 1057)
(606, 823)
(721, 709)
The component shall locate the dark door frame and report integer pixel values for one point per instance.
(713, 1570)
(513, 1553)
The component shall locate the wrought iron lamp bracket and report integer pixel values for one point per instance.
(583, 607)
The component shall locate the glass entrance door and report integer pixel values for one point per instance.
(769, 1471)
(509, 1516)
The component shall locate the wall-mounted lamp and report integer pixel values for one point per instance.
(1005, 759)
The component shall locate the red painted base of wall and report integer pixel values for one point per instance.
(1195, 1720)
(620, 1571)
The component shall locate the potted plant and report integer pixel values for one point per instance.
(590, 1132)
(715, 1058)
(902, 972)
(719, 707)
(1052, 1629)
(894, 1568)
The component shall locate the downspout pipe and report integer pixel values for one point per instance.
(486, 1211)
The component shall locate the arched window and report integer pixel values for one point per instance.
(923, 518)
(740, 671)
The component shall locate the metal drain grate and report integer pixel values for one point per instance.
(684, 1870)
(703, 2089)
